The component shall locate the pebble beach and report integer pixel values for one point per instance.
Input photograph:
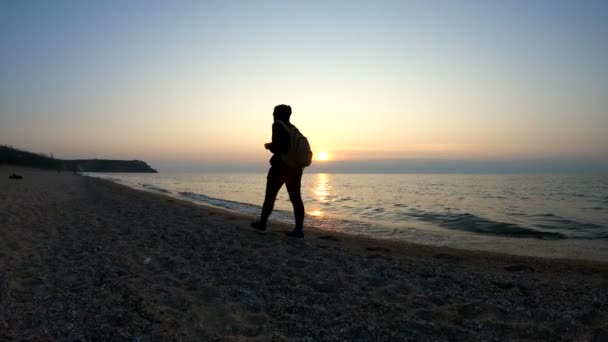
(83, 258)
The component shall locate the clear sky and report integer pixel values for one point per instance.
(196, 81)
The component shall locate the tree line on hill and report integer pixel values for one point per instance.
(13, 156)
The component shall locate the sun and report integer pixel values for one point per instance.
(322, 156)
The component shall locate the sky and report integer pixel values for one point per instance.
(195, 82)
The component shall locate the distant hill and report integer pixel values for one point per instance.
(13, 156)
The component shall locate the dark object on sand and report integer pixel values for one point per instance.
(15, 176)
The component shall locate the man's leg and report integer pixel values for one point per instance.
(274, 181)
(294, 183)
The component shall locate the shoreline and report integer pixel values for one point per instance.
(83, 258)
(567, 249)
(396, 246)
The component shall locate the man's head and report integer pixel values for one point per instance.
(282, 112)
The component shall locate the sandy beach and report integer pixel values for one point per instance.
(86, 259)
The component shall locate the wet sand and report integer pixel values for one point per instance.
(84, 258)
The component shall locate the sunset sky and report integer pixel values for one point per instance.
(196, 81)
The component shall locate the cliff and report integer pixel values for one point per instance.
(106, 165)
(13, 156)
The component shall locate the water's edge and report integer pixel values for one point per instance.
(526, 244)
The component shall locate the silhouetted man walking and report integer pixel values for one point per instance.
(280, 172)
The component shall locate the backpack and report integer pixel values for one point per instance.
(299, 154)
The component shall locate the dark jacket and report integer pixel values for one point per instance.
(281, 143)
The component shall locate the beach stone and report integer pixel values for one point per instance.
(503, 285)
(209, 294)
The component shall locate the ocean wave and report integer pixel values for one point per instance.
(542, 215)
(155, 188)
(343, 199)
(222, 203)
(472, 223)
(575, 229)
(239, 207)
(494, 196)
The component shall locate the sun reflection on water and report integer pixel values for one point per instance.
(321, 192)
(316, 213)
(321, 189)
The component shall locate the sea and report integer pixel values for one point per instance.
(548, 215)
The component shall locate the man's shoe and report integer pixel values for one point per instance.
(258, 225)
(295, 233)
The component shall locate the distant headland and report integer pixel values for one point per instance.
(12, 156)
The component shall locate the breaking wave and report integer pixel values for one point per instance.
(471, 223)
(155, 188)
(221, 203)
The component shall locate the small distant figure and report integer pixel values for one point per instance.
(15, 176)
(290, 154)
